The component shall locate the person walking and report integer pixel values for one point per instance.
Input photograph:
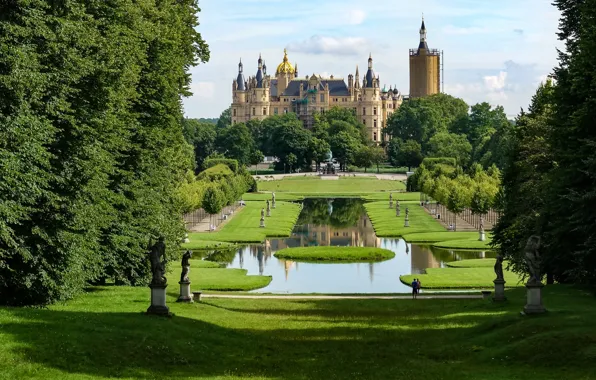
(414, 289)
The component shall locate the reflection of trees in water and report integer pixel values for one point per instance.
(222, 255)
(339, 212)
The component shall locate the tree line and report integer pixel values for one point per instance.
(92, 152)
(549, 180)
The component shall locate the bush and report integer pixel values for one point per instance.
(230, 163)
(215, 173)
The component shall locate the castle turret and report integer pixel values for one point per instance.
(239, 88)
(370, 74)
(260, 75)
(284, 73)
(295, 70)
(425, 68)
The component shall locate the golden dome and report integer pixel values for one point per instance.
(285, 67)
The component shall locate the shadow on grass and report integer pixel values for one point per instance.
(310, 339)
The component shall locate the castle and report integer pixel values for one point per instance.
(263, 95)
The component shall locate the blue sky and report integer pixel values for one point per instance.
(494, 51)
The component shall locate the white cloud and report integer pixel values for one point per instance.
(203, 89)
(495, 82)
(455, 30)
(356, 17)
(330, 45)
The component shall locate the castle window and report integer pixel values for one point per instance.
(234, 110)
(363, 121)
(322, 98)
(285, 110)
(390, 105)
(375, 111)
(375, 123)
(374, 136)
(254, 111)
(322, 110)
(264, 111)
(383, 105)
(363, 111)
(275, 111)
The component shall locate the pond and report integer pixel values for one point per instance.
(339, 222)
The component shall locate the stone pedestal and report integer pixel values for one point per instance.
(262, 223)
(499, 291)
(390, 204)
(407, 223)
(268, 212)
(273, 204)
(158, 301)
(186, 239)
(185, 294)
(482, 236)
(534, 299)
(397, 213)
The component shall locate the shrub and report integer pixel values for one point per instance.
(215, 173)
(229, 162)
(430, 163)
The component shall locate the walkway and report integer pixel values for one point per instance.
(340, 297)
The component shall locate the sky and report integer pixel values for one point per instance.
(497, 52)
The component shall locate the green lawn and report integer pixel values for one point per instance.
(206, 244)
(474, 263)
(346, 254)
(471, 243)
(207, 275)
(344, 185)
(461, 278)
(104, 335)
(386, 224)
(244, 225)
(375, 196)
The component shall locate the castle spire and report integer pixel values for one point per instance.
(240, 81)
(423, 44)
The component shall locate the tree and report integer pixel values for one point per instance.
(319, 150)
(344, 146)
(225, 119)
(213, 200)
(446, 144)
(407, 153)
(291, 160)
(202, 137)
(378, 156)
(290, 137)
(256, 157)
(363, 157)
(236, 142)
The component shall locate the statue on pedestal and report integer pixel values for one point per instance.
(499, 268)
(185, 266)
(273, 200)
(156, 252)
(268, 208)
(397, 209)
(533, 259)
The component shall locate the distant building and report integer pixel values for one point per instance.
(425, 68)
(263, 95)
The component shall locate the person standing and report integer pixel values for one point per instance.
(417, 287)
(414, 289)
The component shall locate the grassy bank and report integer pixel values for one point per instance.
(344, 185)
(386, 224)
(335, 254)
(474, 263)
(206, 244)
(461, 278)
(207, 275)
(374, 196)
(244, 225)
(104, 334)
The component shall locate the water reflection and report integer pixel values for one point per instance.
(338, 222)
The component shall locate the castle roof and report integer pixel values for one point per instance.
(337, 87)
(285, 67)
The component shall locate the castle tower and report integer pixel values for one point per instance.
(284, 74)
(239, 88)
(259, 108)
(425, 68)
(369, 105)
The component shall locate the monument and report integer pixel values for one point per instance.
(185, 294)
(534, 285)
(481, 230)
(407, 221)
(262, 218)
(499, 281)
(157, 258)
(397, 210)
(268, 208)
(390, 200)
(273, 200)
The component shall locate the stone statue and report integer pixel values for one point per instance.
(499, 268)
(262, 213)
(268, 204)
(390, 197)
(407, 212)
(273, 197)
(185, 266)
(156, 252)
(533, 259)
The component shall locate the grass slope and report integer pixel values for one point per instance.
(244, 225)
(344, 185)
(461, 278)
(206, 244)
(474, 263)
(374, 196)
(386, 224)
(346, 254)
(470, 243)
(104, 334)
(207, 275)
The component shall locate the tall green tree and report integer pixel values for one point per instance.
(225, 119)
(201, 136)
(236, 142)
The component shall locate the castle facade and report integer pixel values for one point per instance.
(263, 95)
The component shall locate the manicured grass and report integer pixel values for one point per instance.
(344, 185)
(346, 254)
(205, 244)
(386, 224)
(206, 275)
(461, 278)
(104, 334)
(474, 263)
(244, 225)
(286, 196)
(443, 235)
